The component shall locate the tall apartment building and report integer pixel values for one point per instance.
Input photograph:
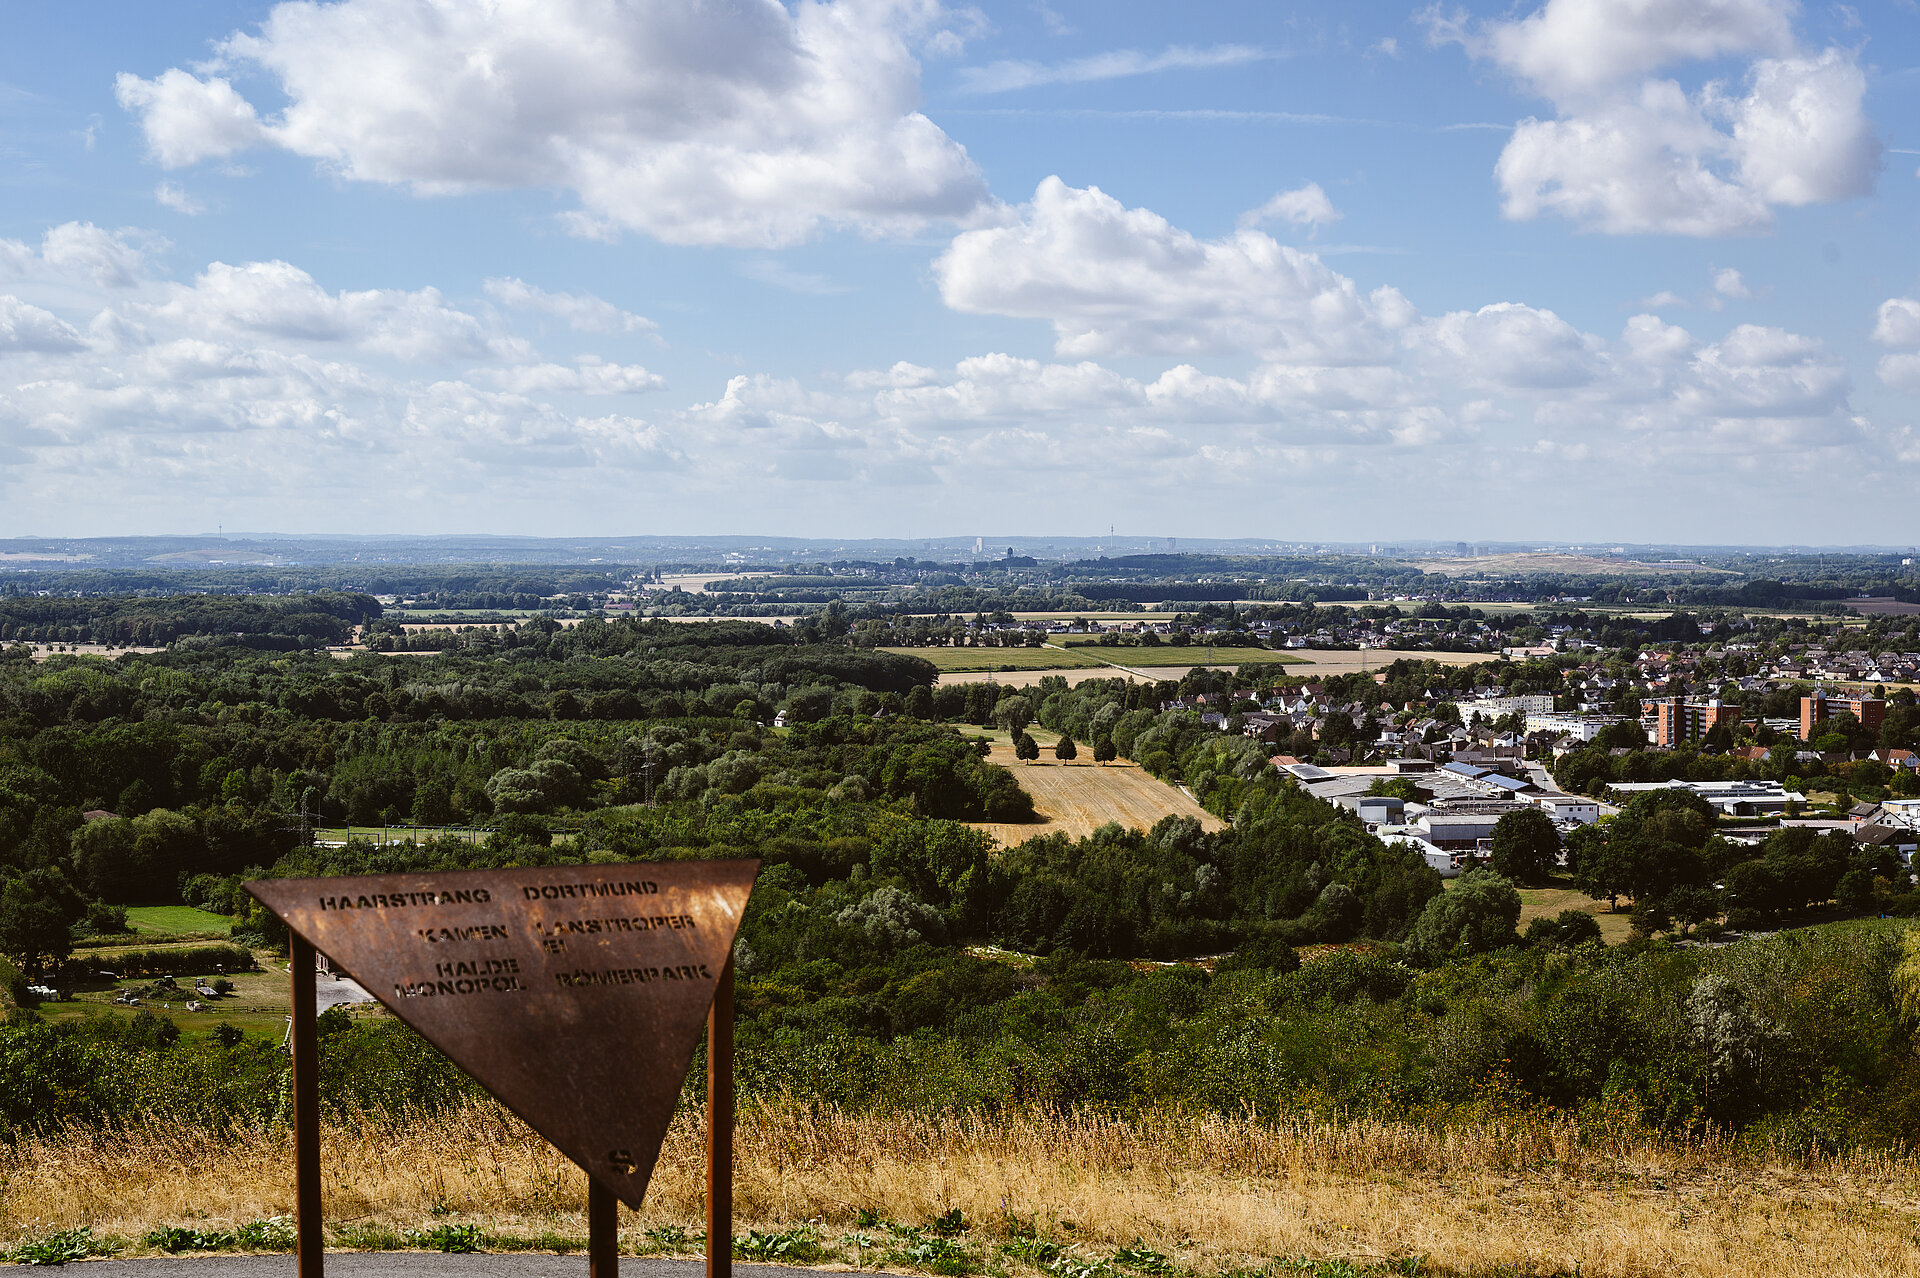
(1679, 720)
(1817, 709)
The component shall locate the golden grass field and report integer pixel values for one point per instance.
(998, 659)
(1304, 664)
(1532, 1197)
(1078, 798)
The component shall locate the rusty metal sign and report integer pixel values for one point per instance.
(574, 994)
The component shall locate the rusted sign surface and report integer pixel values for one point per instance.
(575, 994)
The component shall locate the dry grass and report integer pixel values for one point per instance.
(1078, 798)
(1214, 1193)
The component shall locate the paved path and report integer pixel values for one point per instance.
(415, 1264)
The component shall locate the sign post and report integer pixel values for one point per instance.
(305, 1047)
(574, 994)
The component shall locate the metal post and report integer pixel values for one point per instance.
(720, 1128)
(603, 1232)
(306, 1109)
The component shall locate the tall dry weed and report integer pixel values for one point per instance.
(1536, 1196)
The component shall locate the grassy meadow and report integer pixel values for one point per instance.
(1069, 1193)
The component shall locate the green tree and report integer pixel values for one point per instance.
(1025, 747)
(1476, 915)
(1103, 749)
(1526, 846)
(1064, 749)
(37, 912)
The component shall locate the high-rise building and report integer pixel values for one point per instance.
(1817, 709)
(1678, 720)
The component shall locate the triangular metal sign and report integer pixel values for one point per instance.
(575, 994)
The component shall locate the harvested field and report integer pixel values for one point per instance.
(998, 659)
(1078, 798)
(1306, 664)
(1214, 1194)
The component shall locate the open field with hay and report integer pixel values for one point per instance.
(1304, 663)
(1078, 798)
(1209, 1195)
(964, 660)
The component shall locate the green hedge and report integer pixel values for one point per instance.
(195, 959)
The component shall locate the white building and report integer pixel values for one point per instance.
(1733, 798)
(1582, 727)
(1572, 808)
(1492, 708)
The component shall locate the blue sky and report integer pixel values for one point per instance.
(1593, 270)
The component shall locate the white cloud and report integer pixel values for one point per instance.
(1251, 371)
(1334, 363)
(1113, 280)
(587, 376)
(1571, 47)
(1510, 346)
(1728, 282)
(1629, 153)
(1801, 135)
(738, 122)
(1898, 325)
(1898, 322)
(1303, 206)
(187, 120)
(582, 311)
(175, 197)
(1001, 77)
(81, 250)
(28, 328)
(277, 300)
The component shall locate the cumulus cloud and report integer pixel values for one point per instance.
(1334, 363)
(187, 119)
(740, 122)
(582, 311)
(1898, 325)
(1000, 77)
(1306, 206)
(24, 327)
(1729, 283)
(1114, 280)
(587, 376)
(1267, 374)
(1630, 153)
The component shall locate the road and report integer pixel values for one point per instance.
(415, 1264)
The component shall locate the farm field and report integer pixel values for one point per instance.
(1306, 663)
(959, 660)
(177, 920)
(1078, 798)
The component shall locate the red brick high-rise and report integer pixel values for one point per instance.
(1817, 709)
(1680, 720)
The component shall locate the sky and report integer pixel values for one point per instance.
(1582, 271)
